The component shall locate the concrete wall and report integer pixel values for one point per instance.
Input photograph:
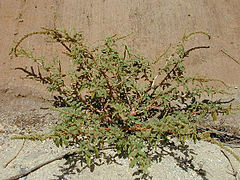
(153, 24)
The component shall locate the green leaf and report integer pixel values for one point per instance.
(141, 153)
(88, 160)
(214, 115)
(133, 153)
(88, 153)
(133, 163)
(65, 141)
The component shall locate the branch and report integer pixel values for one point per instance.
(219, 133)
(236, 61)
(15, 155)
(39, 166)
(235, 172)
(14, 49)
(186, 53)
(32, 74)
(104, 75)
(64, 156)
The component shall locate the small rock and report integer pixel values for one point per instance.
(2, 130)
(14, 128)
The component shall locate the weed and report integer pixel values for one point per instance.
(117, 99)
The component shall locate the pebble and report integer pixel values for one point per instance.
(2, 129)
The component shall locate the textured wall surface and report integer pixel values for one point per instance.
(154, 24)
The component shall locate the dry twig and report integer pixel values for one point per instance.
(235, 172)
(37, 167)
(236, 61)
(15, 155)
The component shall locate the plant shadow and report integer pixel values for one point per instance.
(182, 154)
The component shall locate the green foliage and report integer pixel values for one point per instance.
(115, 98)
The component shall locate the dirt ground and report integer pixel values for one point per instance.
(154, 24)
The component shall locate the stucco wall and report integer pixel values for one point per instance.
(153, 24)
